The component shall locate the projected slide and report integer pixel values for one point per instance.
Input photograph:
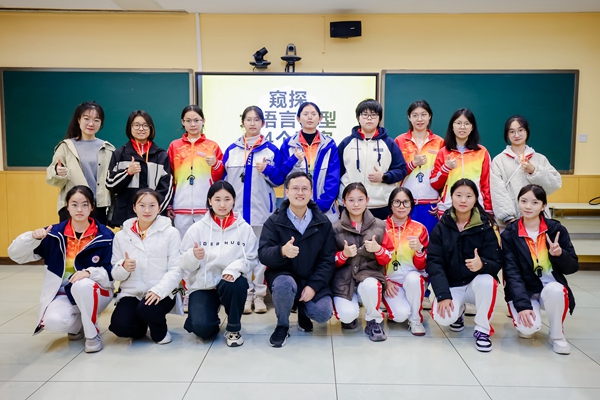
(223, 98)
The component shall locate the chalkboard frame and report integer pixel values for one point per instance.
(6, 167)
(575, 73)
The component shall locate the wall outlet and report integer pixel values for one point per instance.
(583, 138)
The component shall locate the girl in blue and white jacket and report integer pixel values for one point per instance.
(252, 168)
(316, 154)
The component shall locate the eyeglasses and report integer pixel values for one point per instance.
(458, 124)
(251, 120)
(137, 126)
(356, 201)
(192, 121)
(520, 131)
(403, 203)
(95, 121)
(296, 189)
(421, 116)
(371, 116)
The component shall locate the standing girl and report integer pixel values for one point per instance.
(462, 157)
(82, 159)
(146, 261)
(420, 147)
(316, 154)
(359, 263)
(371, 157)
(78, 282)
(517, 166)
(538, 253)
(405, 272)
(463, 260)
(195, 164)
(139, 164)
(252, 168)
(218, 251)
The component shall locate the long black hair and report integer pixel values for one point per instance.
(218, 185)
(74, 130)
(473, 139)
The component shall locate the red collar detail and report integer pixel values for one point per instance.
(303, 142)
(409, 135)
(523, 231)
(390, 224)
(363, 135)
(200, 139)
(92, 230)
(225, 222)
(141, 148)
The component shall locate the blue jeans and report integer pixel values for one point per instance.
(284, 294)
(203, 308)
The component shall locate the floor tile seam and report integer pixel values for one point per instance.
(407, 384)
(17, 316)
(200, 366)
(584, 353)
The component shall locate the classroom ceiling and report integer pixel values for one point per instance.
(312, 6)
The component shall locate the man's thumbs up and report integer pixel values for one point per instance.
(289, 250)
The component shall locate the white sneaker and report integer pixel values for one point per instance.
(248, 306)
(417, 328)
(234, 339)
(93, 345)
(525, 336)
(426, 303)
(259, 305)
(560, 346)
(76, 336)
(167, 339)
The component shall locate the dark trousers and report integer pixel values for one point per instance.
(132, 318)
(203, 308)
(99, 213)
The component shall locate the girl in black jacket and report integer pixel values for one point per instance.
(538, 253)
(463, 260)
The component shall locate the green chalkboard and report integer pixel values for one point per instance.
(547, 99)
(37, 106)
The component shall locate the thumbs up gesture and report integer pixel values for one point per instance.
(61, 170)
(372, 246)
(555, 250)
(414, 243)
(349, 251)
(41, 233)
(420, 159)
(299, 153)
(474, 264)
(134, 167)
(212, 160)
(289, 250)
(129, 264)
(376, 176)
(198, 251)
(261, 166)
(450, 162)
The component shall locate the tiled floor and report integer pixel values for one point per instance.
(326, 364)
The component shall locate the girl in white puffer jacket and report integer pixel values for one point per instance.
(517, 166)
(146, 261)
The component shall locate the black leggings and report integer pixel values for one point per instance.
(132, 318)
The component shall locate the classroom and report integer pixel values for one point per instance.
(328, 363)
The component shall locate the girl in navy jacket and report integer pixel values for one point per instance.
(78, 281)
(538, 254)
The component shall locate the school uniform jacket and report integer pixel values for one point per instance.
(325, 170)
(351, 271)
(157, 259)
(189, 159)
(519, 269)
(66, 152)
(507, 179)
(314, 264)
(94, 258)
(473, 165)
(255, 198)
(231, 249)
(156, 174)
(404, 259)
(359, 157)
(449, 248)
(417, 180)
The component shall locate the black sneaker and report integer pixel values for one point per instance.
(375, 332)
(482, 341)
(279, 336)
(459, 324)
(351, 325)
(304, 323)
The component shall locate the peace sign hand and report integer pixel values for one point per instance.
(555, 249)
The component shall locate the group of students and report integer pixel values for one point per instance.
(371, 220)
